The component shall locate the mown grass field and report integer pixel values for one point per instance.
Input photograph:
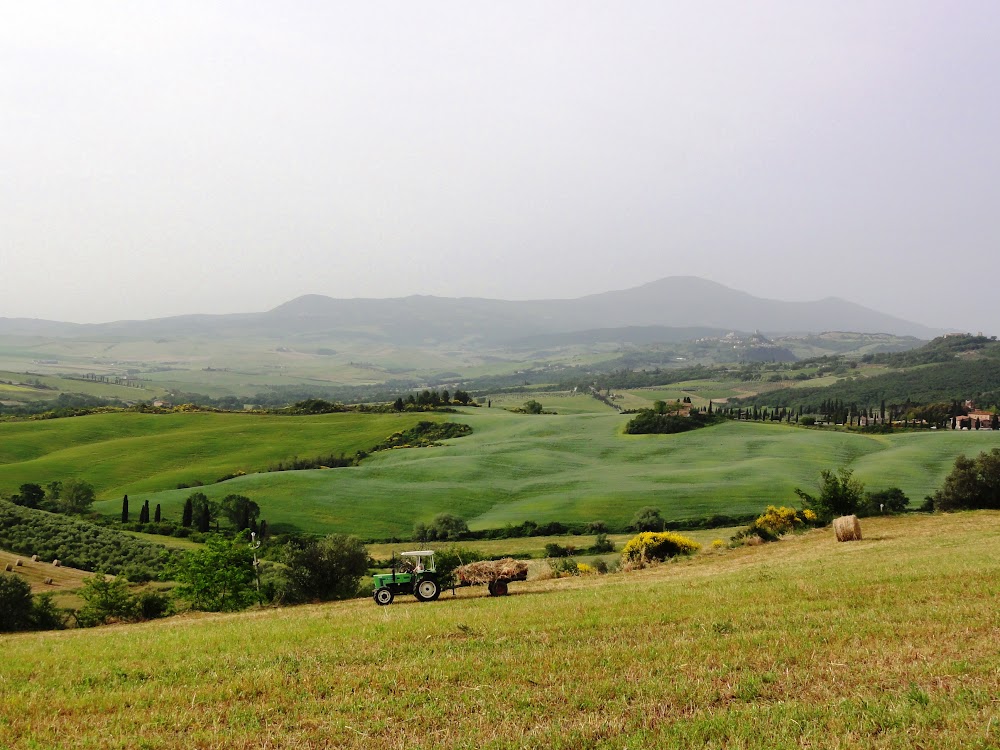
(125, 453)
(886, 643)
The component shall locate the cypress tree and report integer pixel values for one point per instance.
(157, 516)
(125, 509)
(188, 516)
(204, 520)
(263, 529)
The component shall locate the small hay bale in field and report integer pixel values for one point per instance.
(34, 558)
(847, 528)
(56, 563)
(18, 563)
(7, 568)
(48, 581)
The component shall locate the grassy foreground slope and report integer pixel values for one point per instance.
(128, 452)
(579, 467)
(886, 643)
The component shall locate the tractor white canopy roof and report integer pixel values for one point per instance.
(419, 553)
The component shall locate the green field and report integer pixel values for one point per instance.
(126, 453)
(886, 643)
(580, 468)
(574, 466)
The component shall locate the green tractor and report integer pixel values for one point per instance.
(416, 575)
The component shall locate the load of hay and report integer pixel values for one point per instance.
(847, 528)
(488, 571)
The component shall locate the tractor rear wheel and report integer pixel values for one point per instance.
(383, 596)
(427, 590)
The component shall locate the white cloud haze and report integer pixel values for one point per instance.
(169, 158)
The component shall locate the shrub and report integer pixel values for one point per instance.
(652, 546)
(647, 519)
(602, 545)
(556, 550)
(775, 522)
(15, 603)
(600, 566)
(46, 615)
(972, 483)
(106, 599)
(153, 604)
(564, 566)
(219, 576)
(330, 568)
(892, 500)
(840, 494)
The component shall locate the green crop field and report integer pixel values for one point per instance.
(888, 643)
(574, 466)
(125, 453)
(579, 468)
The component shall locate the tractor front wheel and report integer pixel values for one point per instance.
(427, 590)
(383, 596)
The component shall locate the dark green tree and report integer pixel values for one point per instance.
(240, 510)
(532, 407)
(972, 483)
(125, 509)
(15, 603)
(204, 519)
(648, 519)
(187, 516)
(330, 568)
(76, 496)
(106, 599)
(219, 576)
(30, 495)
(447, 527)
(891, 500)
(840, 494)
(157, 515)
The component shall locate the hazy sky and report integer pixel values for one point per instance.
(161, 158)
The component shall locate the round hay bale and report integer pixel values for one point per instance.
(847, 528)
(48, 581)
(18, 563)
(34, 558)
(7, 568)
(56, 563)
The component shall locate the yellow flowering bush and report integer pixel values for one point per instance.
(775, 522)
(585, 570)
(778, 520)
(657, 545)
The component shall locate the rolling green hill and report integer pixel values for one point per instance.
(580, 467)
(574, 466)
(125, 453)
(884, 643)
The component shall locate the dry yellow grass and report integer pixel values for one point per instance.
(64, 580)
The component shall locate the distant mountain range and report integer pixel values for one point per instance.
(679, 302)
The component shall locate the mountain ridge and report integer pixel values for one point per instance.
(675, 301)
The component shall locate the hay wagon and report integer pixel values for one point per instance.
(494, 574)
